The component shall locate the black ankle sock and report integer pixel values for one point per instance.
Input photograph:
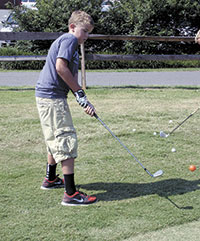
(51, 172)
(70, 188)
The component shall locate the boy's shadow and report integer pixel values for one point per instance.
(120, 191)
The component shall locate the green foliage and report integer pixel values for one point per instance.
(22, 65)
(52, 16)
(141, 64)
(163, 18)
(9, 51)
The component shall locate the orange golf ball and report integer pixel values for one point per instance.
(192, 168)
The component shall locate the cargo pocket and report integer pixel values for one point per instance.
(66, 142)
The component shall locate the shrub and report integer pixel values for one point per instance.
(10, 51)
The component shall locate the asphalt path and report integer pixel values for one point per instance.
(166, 78)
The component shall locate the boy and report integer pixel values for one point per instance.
(59, 75)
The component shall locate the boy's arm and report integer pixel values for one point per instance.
(65, 73)
(72, 81)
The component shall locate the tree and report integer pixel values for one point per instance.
(52, 16)
(163, 18)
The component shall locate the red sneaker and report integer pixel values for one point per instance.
(56, 183)
(78, 199)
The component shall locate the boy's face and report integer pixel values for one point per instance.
(81, 32)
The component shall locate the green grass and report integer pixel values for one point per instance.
(145, 70)
(120, 70)
(132, 205)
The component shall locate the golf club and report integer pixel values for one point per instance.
(156, 174)
(164, 135)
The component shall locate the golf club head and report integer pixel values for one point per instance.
(163, 134)
(158, 173)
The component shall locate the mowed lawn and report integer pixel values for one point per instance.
(132, 205)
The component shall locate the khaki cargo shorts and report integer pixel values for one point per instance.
(59, 132)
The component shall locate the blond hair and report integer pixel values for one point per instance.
(80, 18)
(197, 36)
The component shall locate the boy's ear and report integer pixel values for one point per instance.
(72, 26)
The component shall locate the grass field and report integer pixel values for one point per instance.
(119, 70)
(132, 205)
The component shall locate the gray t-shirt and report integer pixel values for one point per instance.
(50, 84)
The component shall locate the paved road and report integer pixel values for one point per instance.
(179, 78)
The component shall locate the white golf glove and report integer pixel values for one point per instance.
(81, 98)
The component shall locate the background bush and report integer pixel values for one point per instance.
(10, 51)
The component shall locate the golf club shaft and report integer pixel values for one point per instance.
(96, 116)
(184, 121)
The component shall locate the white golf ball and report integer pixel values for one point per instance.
(173, 149)
(154, 133)
(170, 121)
(134, 130)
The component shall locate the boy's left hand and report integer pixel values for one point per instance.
(90, 110)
